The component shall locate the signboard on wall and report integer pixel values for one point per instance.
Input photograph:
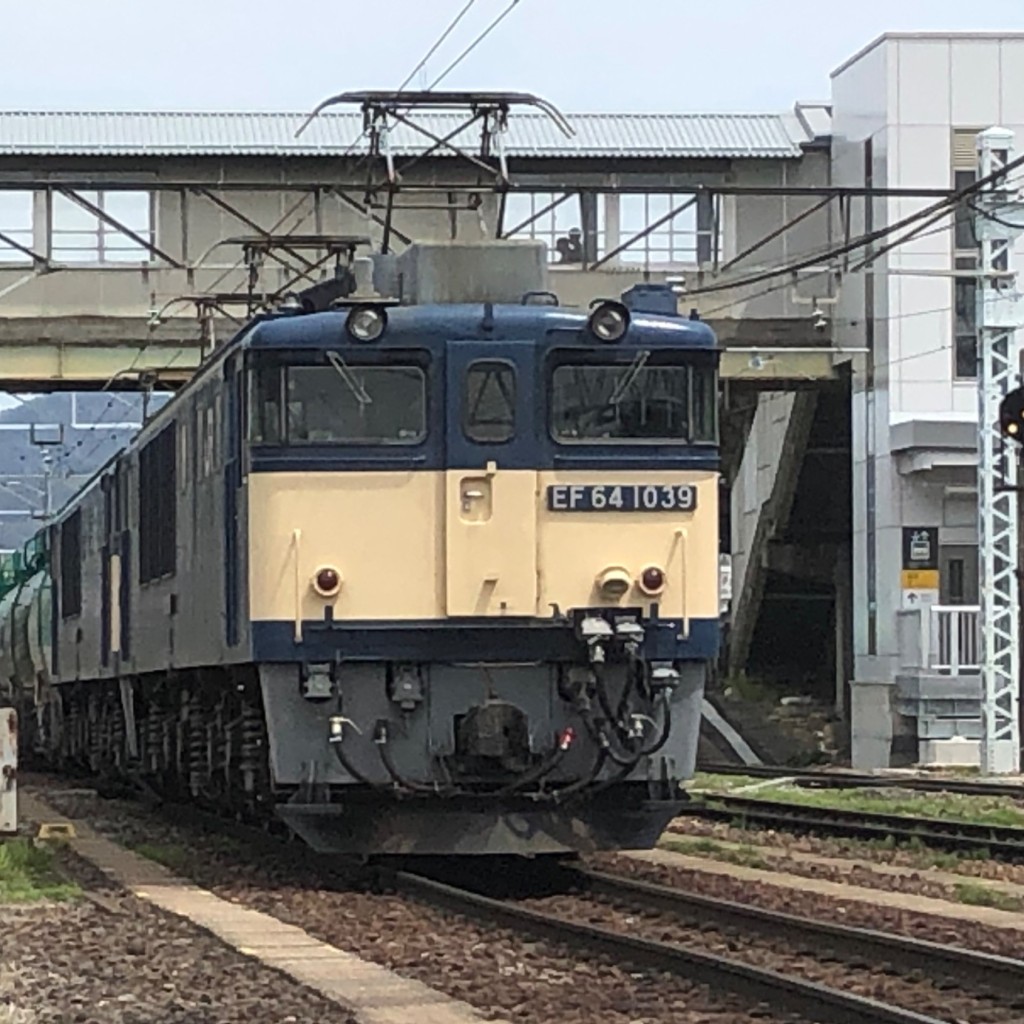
(919, 576)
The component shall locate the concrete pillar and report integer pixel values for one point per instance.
(843, 584)
(705, 227)
(588, 221)
(612, 233)
(871, 726)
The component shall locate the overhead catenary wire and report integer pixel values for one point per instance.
(947, 204)
(473, 45)
(438, 43)
(779, 286)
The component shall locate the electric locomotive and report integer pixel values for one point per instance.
(431, 568)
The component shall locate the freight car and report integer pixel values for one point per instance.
(426, 566)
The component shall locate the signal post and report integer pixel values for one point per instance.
(1000, 219)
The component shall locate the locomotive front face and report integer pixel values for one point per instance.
(491, 480)
(483, 568)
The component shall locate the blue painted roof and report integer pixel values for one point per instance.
(431, 326)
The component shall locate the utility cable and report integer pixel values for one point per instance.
(444, 35)
(948, 203)
(472, 46)
(782, 285)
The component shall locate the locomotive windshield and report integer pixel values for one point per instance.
(340, 403)
(652, 397)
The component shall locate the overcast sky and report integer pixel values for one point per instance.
(581, 54)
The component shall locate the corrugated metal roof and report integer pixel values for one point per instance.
(273, 134)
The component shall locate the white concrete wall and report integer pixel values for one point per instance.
(908, 95)
(940, 85)
(860, 94)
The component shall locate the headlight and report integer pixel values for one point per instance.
(613, 582)
(366, 323)
(609, 322)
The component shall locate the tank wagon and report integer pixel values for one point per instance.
(26, 628)
(427, 574)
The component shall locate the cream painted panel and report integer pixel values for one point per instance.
(491, 538)
(381, 530)
(575, 547)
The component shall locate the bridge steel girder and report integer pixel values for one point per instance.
(54, 363)
(89, 353)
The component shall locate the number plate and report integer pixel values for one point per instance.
(622, 497)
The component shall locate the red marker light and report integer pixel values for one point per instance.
(327, 581)
(565, 740)
(652, 580)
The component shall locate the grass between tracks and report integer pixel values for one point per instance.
(982, 896)
(748, 856)
(980, 810)
(28, 873)
(744, 856)
(174, 858)
(182, 859)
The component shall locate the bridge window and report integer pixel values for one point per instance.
(556, 220)
(78, 234)
(71, 566)
(489, 402)
(674, 241)
(16, 226)
(158, 506)
(621, 222)
(351, 404)
(652, 398)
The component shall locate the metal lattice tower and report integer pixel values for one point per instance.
(999, 368)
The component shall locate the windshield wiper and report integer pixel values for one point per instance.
(631, 374)
(345, 373)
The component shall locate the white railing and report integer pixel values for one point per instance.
(945, 639)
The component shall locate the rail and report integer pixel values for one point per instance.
(816, 778)
(782, 993)
(985, 971)
(1001, 842)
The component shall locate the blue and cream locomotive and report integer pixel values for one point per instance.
(429, 573)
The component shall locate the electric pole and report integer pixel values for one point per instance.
(1000, 308)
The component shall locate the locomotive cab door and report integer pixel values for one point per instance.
(491, 479)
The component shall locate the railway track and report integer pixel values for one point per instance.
(581, 910)
(813, 778)
(783, 993)
(999, 842)
(1001, 976)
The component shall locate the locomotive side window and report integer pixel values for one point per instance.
(158, 507)
(489, 401)
(266, 405)
(345, 404)
(71, 565)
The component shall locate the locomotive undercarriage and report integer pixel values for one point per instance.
(202, 737)
(198, 736)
